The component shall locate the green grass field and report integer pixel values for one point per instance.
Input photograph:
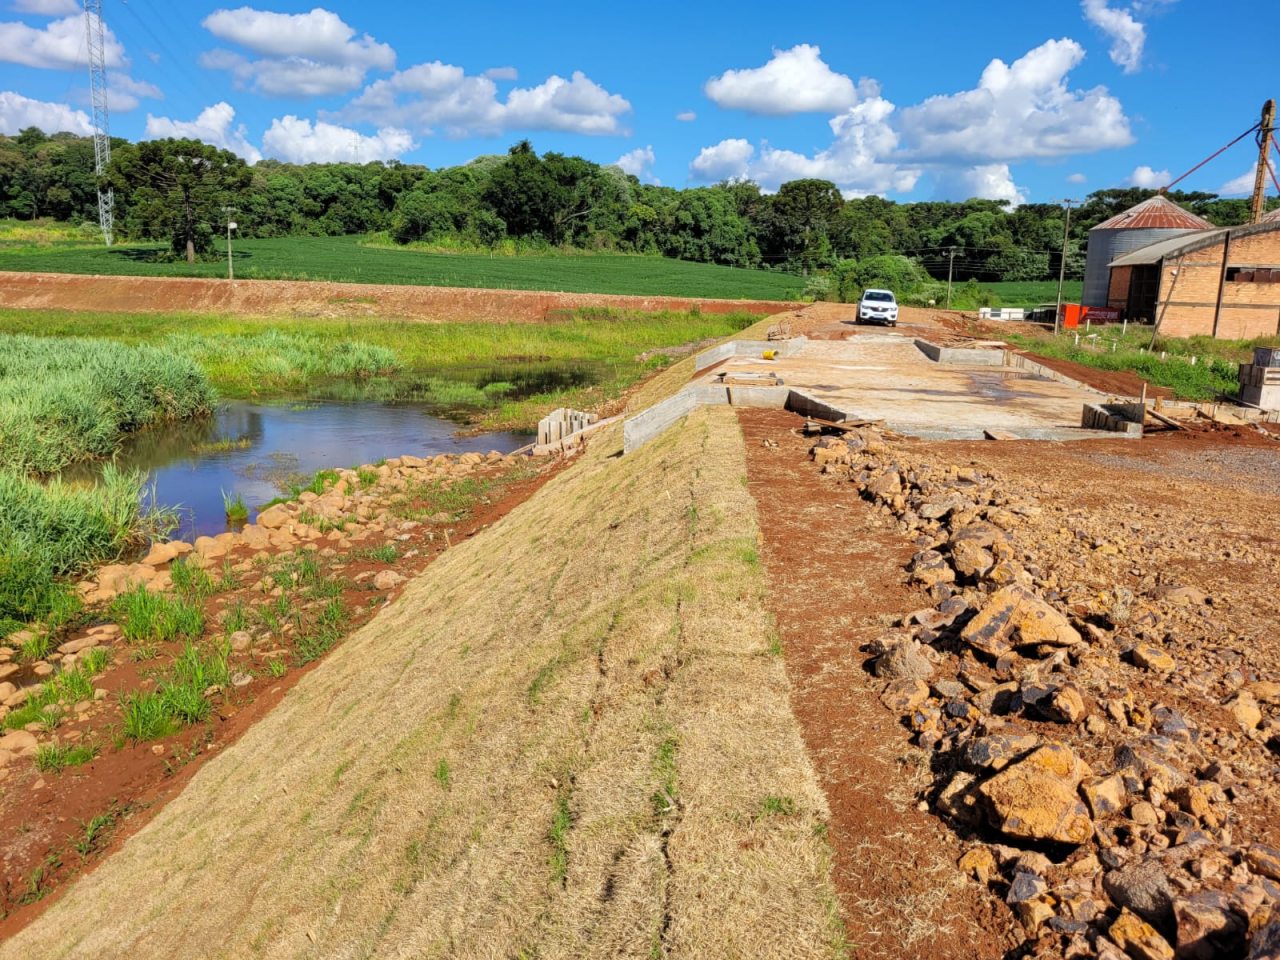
(346, 260)
(1029, 293)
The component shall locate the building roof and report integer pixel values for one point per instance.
(1157, 213)
(1190, 242)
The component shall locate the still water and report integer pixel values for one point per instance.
(257, 451)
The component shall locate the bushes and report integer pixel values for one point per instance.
(63, 400)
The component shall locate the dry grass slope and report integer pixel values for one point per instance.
(569, 738)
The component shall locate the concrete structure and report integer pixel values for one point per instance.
(1146, 223)
(1223, 283)
(964, 394)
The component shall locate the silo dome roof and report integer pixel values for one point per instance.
(1157, 213)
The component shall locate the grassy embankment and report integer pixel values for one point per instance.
(496, 376)
(1166, 363)
(349, 260)
(591, 755)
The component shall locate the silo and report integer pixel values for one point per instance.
(1148, 222)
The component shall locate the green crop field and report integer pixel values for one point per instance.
(345, 259)
(1029, 293)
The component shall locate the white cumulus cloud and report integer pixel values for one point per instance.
(966, 140)
(1077, 178)
(1149, 179)
(638, 162)
(18, 112)
(726, 160)
(59, 45)
(686, 116)
(1018, 111)
(298, 140)
(1241, 186)
(1127, 34)
(300, 54)
(990, 181)
(215, 125)
(502, 73)
(440, 95)
(47, 8)
(793, 81)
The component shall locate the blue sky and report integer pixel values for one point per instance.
(915, 101)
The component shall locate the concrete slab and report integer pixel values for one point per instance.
(886, 377)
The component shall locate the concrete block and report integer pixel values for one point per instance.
(938, 354)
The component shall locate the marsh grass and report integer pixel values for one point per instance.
(55, 530)
(503, 375)
(234, 506)
(73, 398)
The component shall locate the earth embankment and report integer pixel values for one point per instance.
(570, 737)
(307, 298)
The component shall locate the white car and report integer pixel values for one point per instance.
(878, 306)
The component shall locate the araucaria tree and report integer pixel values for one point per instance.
(176, 190)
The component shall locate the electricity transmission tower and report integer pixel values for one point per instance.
(101, 122)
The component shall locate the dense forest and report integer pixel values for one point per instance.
(177, 191)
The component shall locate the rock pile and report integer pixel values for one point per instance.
(355, 508)
(1104, 805)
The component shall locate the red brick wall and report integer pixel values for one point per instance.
(1248, 309)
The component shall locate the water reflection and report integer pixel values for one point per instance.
(256, 450)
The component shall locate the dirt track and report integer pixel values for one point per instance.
(53, 291)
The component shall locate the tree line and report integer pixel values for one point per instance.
(182, 192)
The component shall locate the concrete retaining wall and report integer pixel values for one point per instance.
(1114, 417)
(990, 358)
(747, 348)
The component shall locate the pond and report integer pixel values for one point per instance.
(258, 451)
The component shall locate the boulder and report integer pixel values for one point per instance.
(1244, 707)
(387, 579)
(992, 754)
(1035, 798)
(1029, 897)
(1150, 657)
(1264, 860)
(903, 696)
(905, 660)
(1143, 887)
(1015, 617)
(929, 567)
(1265, 944)
(971, 560)
(273, 518)
(1138, 939)
(1207, 927)
(1105, 796)
(19, 742)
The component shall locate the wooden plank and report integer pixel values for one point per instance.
(1167, 421)
(1000, 435)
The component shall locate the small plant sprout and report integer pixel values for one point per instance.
(237, 512)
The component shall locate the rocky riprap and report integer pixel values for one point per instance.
(1064, 746)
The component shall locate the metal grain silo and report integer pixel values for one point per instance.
(1148, 222)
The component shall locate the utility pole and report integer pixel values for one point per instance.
(231, 225)
(951, 262)
(1062, 266)
(1265, 130)
(101, 121)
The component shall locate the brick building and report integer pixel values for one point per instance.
(1222, 282)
